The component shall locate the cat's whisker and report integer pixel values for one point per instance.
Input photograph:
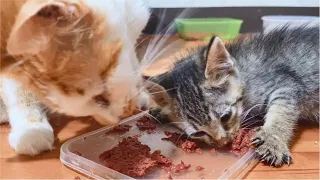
(158, 41)
(152, 42)
(17, 64)
(141, 41)
(169, 28)
(163, 51)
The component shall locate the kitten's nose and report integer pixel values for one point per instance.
(223, 142)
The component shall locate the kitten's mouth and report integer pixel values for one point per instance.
(199, 134)
(204, 136)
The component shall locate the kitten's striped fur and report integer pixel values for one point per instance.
(217, 86)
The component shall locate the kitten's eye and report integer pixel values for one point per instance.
(199, 134)
(226, 116)
(101, 100)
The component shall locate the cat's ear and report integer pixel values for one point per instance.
(218, 62)
(37, 23)
(159, 88)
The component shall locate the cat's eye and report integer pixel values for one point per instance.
(199, 134)
(101, 100)
(226, 116)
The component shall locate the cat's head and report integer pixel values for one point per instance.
(202, 94)
(78, 55)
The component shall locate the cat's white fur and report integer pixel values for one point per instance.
(127, 19)
(26, 137)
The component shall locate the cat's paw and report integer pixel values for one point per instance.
(270, 149)
(32, 139)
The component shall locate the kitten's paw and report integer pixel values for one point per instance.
(32, 139)
(270, 149)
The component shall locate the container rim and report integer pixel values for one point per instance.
(290, 18)
(241, 163)
(211, 18)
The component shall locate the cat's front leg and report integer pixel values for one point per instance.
(273, 138)
(31, 132)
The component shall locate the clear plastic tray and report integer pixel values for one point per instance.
(221, 165)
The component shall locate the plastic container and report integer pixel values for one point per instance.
(222, 165)
(205, 28)
(272, 22)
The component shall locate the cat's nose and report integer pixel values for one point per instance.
(144, 101)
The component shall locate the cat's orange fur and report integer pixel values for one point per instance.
(55, 65)
(65, 53)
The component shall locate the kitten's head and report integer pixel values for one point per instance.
(202, 94)
(78, 55)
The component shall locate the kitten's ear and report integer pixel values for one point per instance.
(159, 87)
(218, 62)
(37, 23)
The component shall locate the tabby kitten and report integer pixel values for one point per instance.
(75, 56)
(274, 74)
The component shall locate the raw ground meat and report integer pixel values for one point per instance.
(199, 168)
(174, 137)
(199, 151)
(77, 153)
(146, 124)
(189, 146)
(212, 151)
(119, 129)
(170, 177)
(175, 169)
(160, 159)
(129, 157)
(150, 131)
(132, 158)
(177, 139)
(241, 144)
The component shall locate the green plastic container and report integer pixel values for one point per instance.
(205, 28)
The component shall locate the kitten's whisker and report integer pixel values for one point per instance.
(246, 120)
(249, 124)
(148, 114)
(249, 110)
(180, 137)
(162, 91)
(174, 123)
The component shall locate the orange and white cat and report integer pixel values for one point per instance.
(75, 56)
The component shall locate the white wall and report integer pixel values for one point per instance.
(230, 3)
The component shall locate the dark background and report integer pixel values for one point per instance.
(251, 16)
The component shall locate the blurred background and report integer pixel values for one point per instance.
(250, 11)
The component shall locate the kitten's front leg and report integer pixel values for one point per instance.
(273, 138)
(31, 132)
